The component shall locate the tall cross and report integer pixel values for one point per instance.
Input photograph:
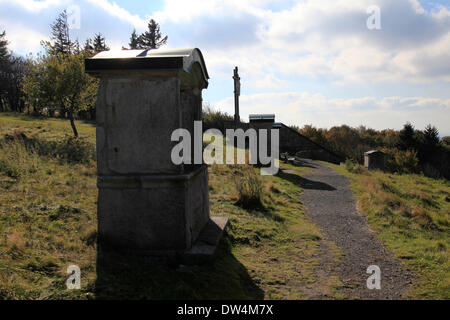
(237, 93)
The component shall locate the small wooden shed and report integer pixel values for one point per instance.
(375, 160)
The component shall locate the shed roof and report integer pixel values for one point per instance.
(261, 117)
(373, 152)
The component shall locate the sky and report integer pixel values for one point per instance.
(307, 61)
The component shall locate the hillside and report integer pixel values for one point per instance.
(271, 249)
(48, 222)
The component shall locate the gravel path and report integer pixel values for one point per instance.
(330, 204)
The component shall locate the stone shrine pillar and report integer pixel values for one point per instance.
(146, 204)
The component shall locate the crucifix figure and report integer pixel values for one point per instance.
(237, 93)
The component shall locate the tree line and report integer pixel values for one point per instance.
(54, 83)
(11, 76)
(408, 151)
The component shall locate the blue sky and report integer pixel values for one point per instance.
(307, 61)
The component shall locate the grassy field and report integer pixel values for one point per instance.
(44, 128)
(48, 221)
(411, 215)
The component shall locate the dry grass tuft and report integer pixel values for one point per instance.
(422, 216)
(15, 244)
(249, 188)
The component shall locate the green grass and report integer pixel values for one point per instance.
(45, 128)
(411, 215)
(48, 222)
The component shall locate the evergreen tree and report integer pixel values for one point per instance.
(446, 141)
(99, 43)
(60, 35)
(4, 69)
(431, 136)
(88, 46)
(14, 81)
(11, 75)
(134, 41)
(152, 39)
(4, 52)
(427, 143)
(406, 138)
(76, 47)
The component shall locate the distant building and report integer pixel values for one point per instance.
(375, 160)
(262, 118)
(291, 141)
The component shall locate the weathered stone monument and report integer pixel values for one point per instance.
(147, 204)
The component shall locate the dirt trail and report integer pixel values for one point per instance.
(330, 204)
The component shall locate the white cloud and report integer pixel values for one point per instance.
(315, 38)
(442, 13)
(180, 11)
(268, 81)
(417, 6)
(18, 43)
(329, 37)
(120, 13)
(33, 5)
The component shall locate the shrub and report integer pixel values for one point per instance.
(423, 217)
(214, 118)
(353, 167)
(15, 160)
(19, 155)
(75, 150)
(249, 188)
(402, 161)
(69, 148)
(431, 171)
(46, 266)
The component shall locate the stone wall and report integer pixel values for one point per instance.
(293, 142)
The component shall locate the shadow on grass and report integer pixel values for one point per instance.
(24, 116)
(303, 163)
(134, 278)
(303, 182)
(265, 212)
(260, 209)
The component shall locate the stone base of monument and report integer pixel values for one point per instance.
(135, 218)
(155, 215)
(204, 249)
